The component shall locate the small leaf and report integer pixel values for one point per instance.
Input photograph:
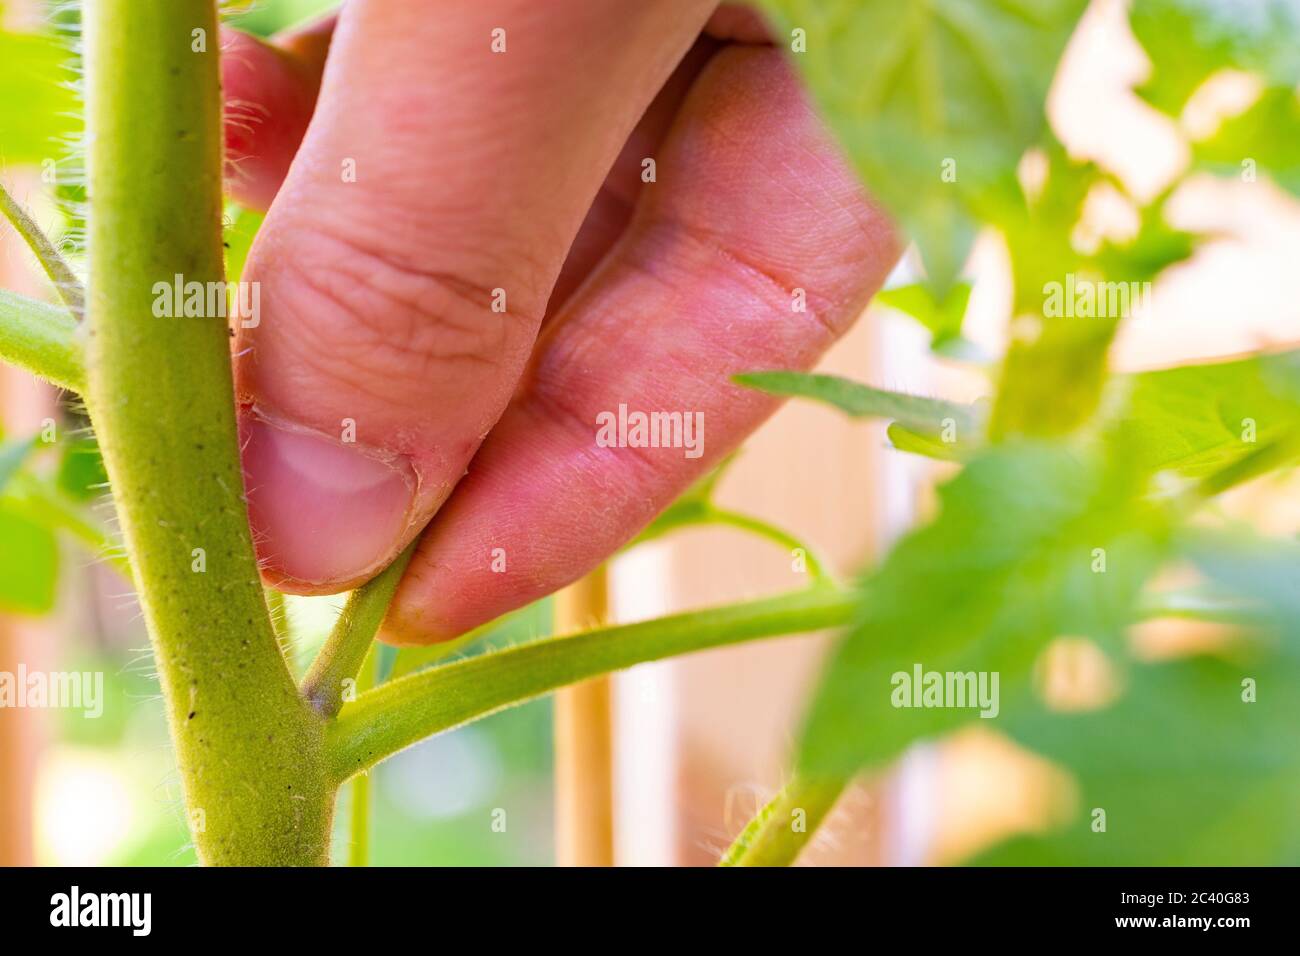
(943, 317)
(930, 416)
(81, 469)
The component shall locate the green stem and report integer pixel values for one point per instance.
(334, 671)
(772, 533)
(779, 832)
(359, 848)
(65, 281)
(42, 339)
(404, 711)
(250, 750)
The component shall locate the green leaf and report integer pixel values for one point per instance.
(1188, 40)
(29, 563)
(81, 469)
(914, 88)
(943, 317)
(929, 416)
(1265, 138)
(40, 106)
(1010, 563)
(1185, 770)
(1198, 419)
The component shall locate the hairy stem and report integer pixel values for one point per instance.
(405, 711)
(336, 666)
(65, 281)
(772, 533)
(42, 339)
(779, 832)
(250, 750)
(359, 824)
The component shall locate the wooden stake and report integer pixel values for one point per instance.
(584, 803)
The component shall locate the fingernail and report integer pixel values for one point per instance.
(322, 511)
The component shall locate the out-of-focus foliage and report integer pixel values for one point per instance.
(1078, 486)
(919, 90)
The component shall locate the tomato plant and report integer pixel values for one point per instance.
(1075, 486)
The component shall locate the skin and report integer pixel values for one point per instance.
(521, 171)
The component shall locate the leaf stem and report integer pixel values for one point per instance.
(65, 281)
(757, 526)
(341, 657)
(404, 711)
(41, 338)
(781, 829)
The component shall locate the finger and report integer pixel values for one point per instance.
(270, 93)
(613, 206)
(753, 204)
(407, 260)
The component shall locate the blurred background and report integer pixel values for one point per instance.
(699, 743)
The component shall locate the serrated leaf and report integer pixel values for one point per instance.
(914, 90)
(1009, 564)
(1198, 419)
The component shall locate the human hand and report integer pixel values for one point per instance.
(464, 268)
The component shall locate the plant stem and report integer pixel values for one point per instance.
(359, 824)
(405, 711)
(65, 281)
(250, 750)
(41, 338)
(335, 668)
(772, 533)
(779, 832)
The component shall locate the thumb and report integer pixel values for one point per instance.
(404, 266)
